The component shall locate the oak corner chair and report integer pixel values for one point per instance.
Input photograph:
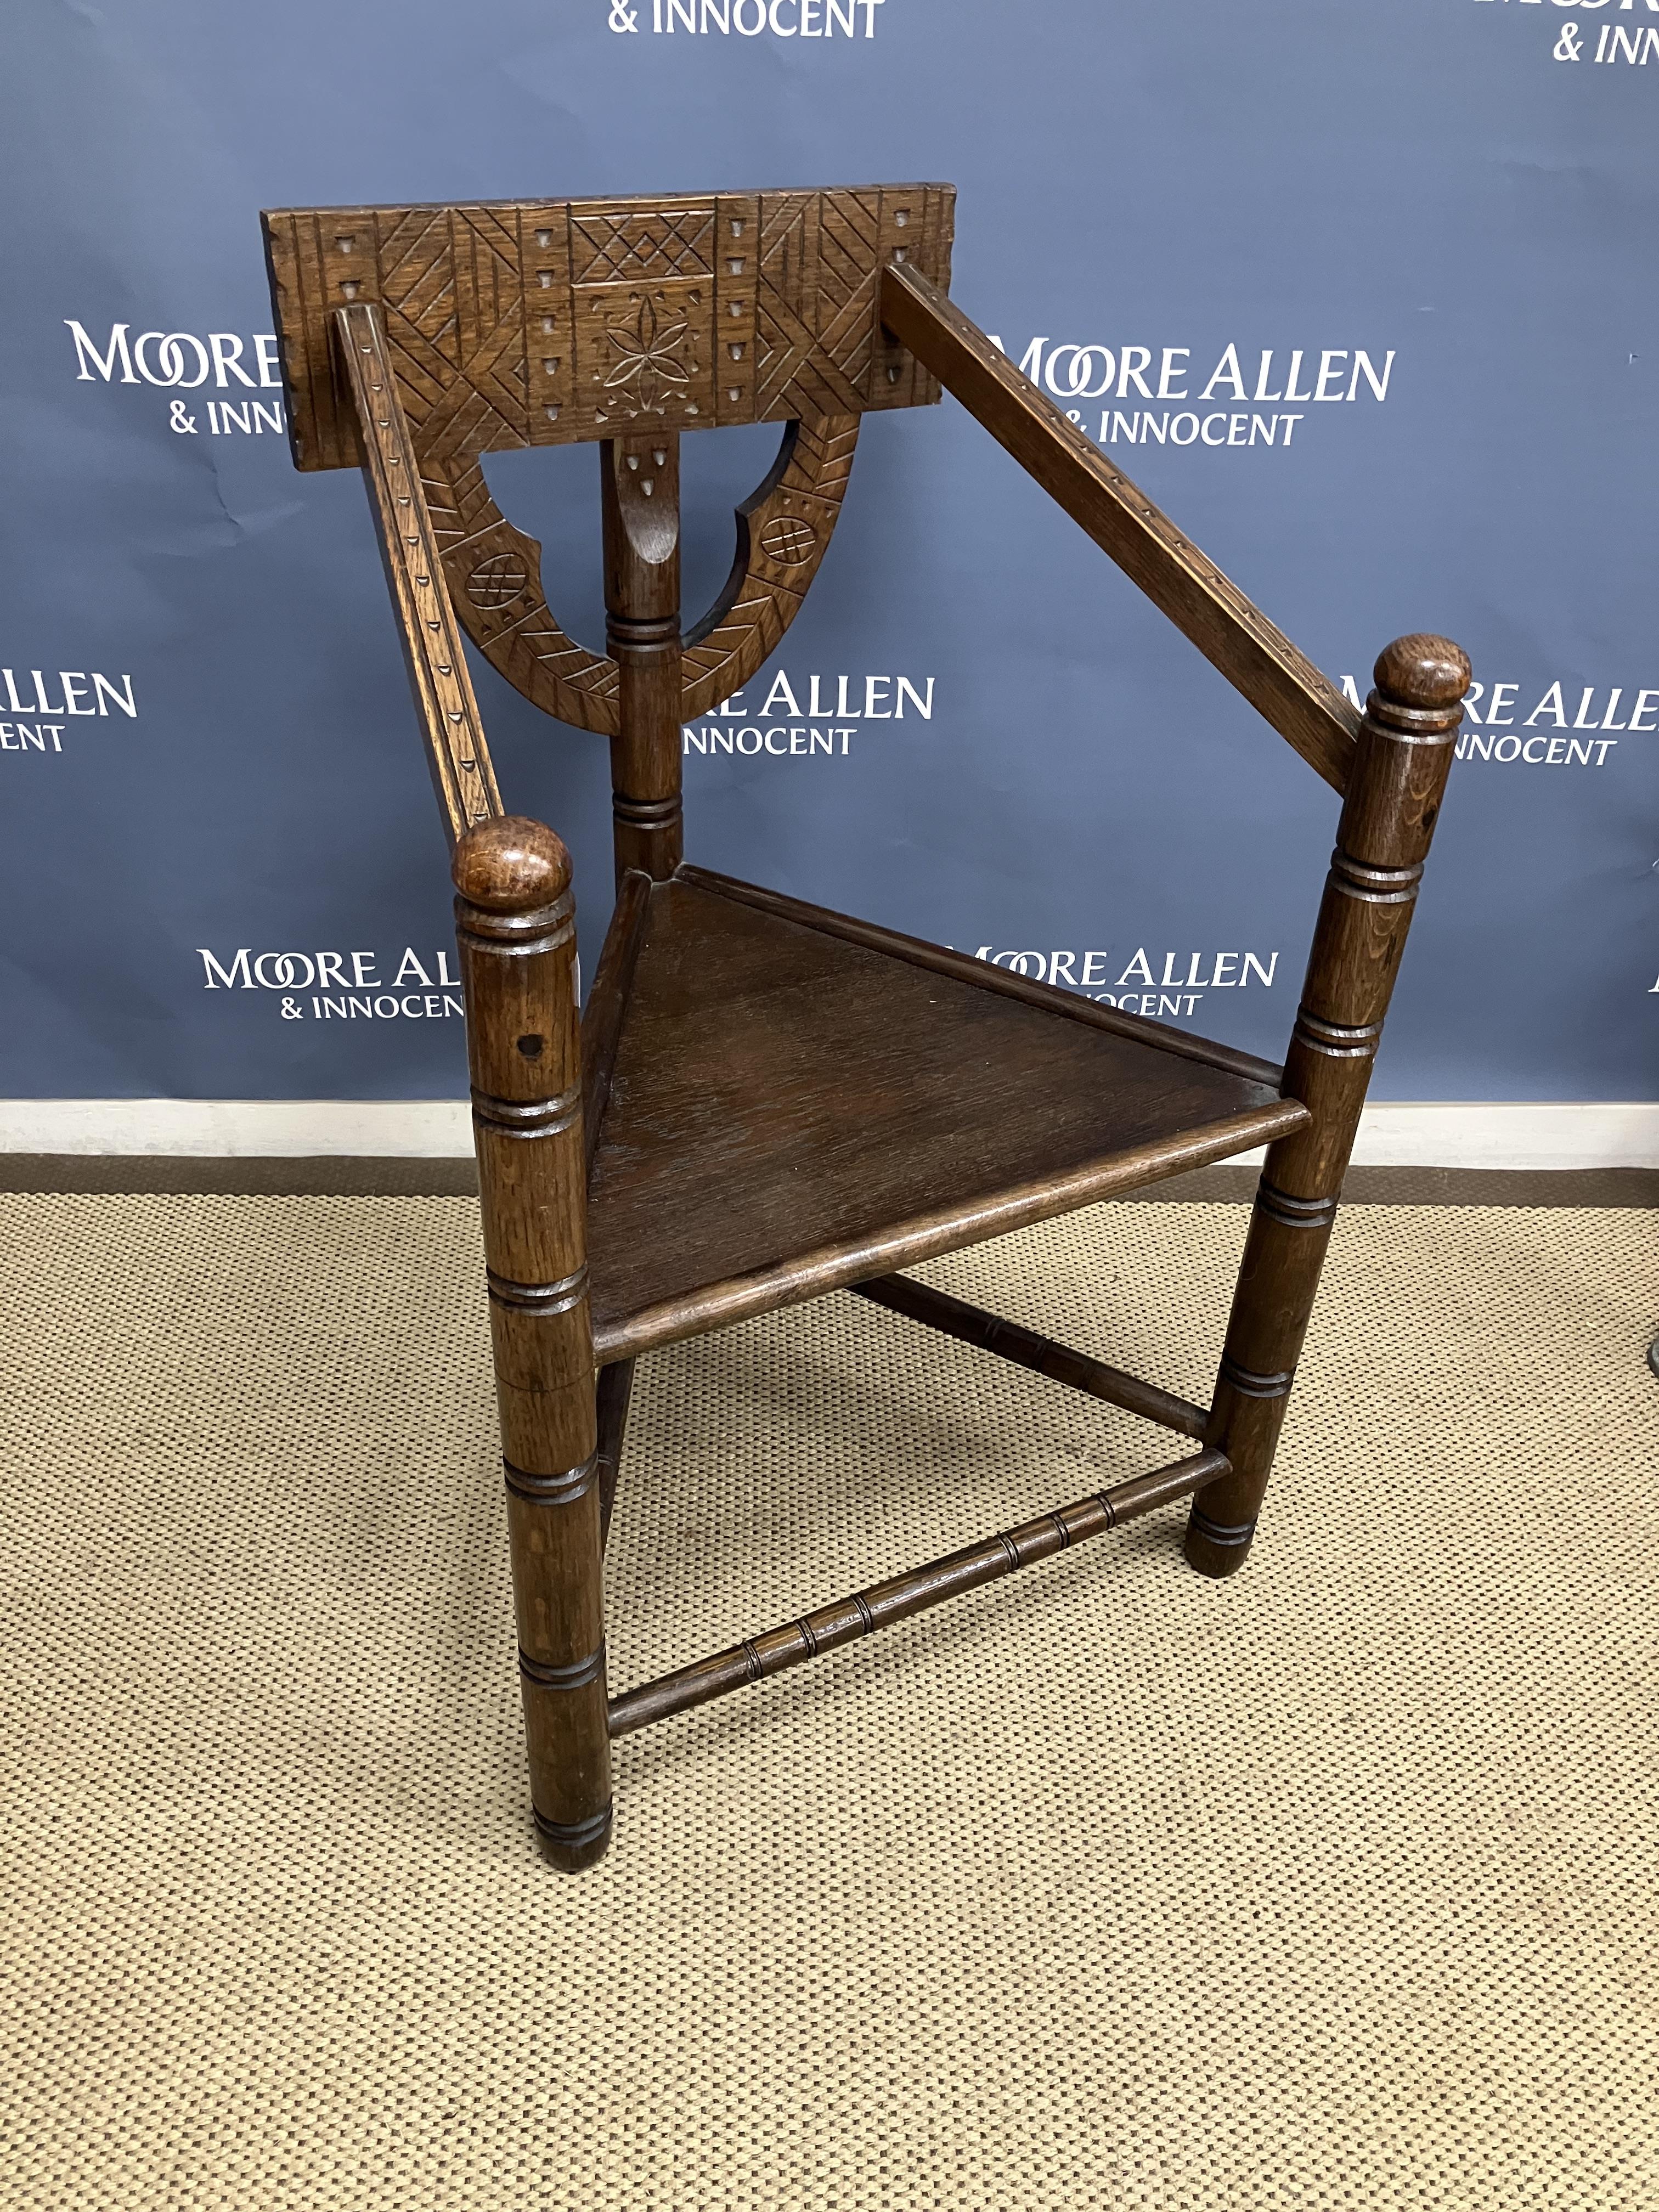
(416, 339)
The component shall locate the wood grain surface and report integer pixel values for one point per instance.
(515, 926)
(462, 775)
(1394, 790)
(769, 1100)
(789, 1111)
(538, 322)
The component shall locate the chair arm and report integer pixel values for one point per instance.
(1281, 682)
(456, 752)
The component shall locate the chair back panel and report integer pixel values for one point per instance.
(521, 323)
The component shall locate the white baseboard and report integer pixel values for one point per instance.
(1616, 1135)
(1503, 1134)
(241, 1128)
(1458, 1135)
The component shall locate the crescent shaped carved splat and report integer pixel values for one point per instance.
(494, 577)
(494, 574)
(784, 528)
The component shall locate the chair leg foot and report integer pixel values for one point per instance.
(573, 1849)
(1214, 1548)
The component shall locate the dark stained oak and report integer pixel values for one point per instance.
(640, 479)
(783, 533)
(897, 1599)
(767, 1101)
(1303, 705)
(984, 977)
(987, 1332)
(513, 323)
(462, 775)
(615, 1388)
(1394, 790)
(607, 1002)
(789, 1111)
(561, 322)
(515, 926)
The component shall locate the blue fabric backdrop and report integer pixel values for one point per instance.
(1435, 217)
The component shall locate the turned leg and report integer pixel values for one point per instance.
(515, 921)
(1393, 792)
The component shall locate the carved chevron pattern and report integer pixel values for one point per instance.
(548, 323)
(500, 316)
(775, 563)
(510, 622)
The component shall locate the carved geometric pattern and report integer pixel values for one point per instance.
(652, 356)
(507, 320)
(643, 354)
(629, 243)
(763, 594)
(539, 322)
(497, 582)
(518, 635)
(456, 752)
(788, 540)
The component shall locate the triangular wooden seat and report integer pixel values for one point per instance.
(798, 1101)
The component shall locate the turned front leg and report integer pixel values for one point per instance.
(1394, 786)
(515, 921)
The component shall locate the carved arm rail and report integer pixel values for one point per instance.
(1281, 682)
(456, 752)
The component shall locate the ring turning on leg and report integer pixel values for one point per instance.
(1395, 785)
(516, 928)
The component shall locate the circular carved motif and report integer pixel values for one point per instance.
(496, 581)
(788, 540)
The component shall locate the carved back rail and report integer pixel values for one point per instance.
(627, 321)
(559, 322)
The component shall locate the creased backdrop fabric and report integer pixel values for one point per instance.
(1361, 293)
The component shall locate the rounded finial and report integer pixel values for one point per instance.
(1423, 671)
(511, 863)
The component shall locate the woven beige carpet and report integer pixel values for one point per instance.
(1333, 1886)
